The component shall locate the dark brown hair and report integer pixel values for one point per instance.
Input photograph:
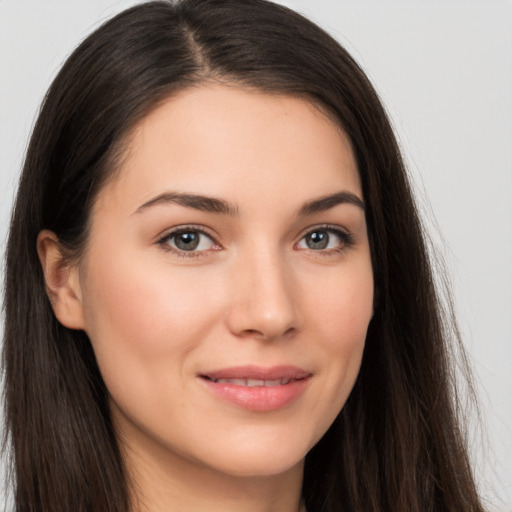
(397, 444)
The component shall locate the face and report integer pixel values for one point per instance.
(227, 285)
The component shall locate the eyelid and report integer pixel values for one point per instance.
(325, 227)
(346, 236)
(163, 238)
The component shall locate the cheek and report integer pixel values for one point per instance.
(350, 319)
(342, 307)
(339, 315)
(142, 319)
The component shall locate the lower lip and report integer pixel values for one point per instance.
(259, 398)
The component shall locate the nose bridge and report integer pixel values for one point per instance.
(263, 302)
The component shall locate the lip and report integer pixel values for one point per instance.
(254, 396)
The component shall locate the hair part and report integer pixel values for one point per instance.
(397, 443)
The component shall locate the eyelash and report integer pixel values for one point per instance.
(163, 242)
(347, 240)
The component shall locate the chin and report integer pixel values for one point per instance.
(260, 458)
(263, 466)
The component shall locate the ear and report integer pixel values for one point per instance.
(62, 281)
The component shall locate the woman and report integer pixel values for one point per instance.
(217, 291)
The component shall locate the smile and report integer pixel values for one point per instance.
(258, 389)
(252, 383)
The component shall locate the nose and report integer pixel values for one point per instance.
(264, 298)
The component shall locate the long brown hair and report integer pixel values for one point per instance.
(397, 444)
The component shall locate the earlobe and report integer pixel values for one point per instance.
(62, 281)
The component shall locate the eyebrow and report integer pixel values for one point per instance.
(198, 202)
(327, 202)
(214, 205)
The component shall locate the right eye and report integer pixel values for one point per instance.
(188, 240)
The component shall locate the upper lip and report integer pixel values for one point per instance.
(258, 373)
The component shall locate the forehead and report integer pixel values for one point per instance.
(228, 141)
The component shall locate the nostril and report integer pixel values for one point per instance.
(266, 313)
(290, 332)
(256, 333)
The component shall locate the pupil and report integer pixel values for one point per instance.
(318, 240)
(187, 241)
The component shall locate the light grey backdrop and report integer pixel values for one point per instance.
(444, 71)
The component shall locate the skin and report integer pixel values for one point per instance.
(255, 291)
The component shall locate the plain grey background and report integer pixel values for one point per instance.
(444, 71)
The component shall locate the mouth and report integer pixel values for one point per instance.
(275, 375)
(251, 383)
(256, 388)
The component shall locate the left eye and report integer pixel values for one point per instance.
(188, 241)
(322, 239)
